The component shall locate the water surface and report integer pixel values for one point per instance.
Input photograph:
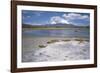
(68, 32)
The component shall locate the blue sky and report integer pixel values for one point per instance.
(46, 17)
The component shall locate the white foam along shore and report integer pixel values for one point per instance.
(56, 49)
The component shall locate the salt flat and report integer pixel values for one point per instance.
(61, 50)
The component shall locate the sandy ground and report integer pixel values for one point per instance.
(36, 49)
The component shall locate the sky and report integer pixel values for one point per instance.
(32, 17)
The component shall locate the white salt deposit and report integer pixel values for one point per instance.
(59, 51)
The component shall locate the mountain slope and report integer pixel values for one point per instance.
(60, 25)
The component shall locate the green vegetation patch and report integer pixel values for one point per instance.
(42, 46)
(66, 40)
(80, 40)
(52, 41)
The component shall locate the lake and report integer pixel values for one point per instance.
(68, 32)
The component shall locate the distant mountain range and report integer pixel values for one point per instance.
(60, 25)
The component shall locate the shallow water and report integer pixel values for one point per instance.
(68, 32)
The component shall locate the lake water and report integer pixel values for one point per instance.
(68, 32)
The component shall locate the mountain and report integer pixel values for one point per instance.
(59, 25)
(27, 26)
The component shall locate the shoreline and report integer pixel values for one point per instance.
(29, 43)
(52, 28)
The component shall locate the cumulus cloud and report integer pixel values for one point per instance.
(72, 16)
(76, 18)
(58, 19)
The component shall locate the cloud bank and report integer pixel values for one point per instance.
(58, 19)
(71, 18)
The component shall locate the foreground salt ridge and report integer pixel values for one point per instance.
(59, 51)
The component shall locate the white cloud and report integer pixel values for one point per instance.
(58, 19)
(28, 16)
(72, 16)
(76, 18)
(85, 17)
(37, 13)
(25, 17)
(64, 21)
